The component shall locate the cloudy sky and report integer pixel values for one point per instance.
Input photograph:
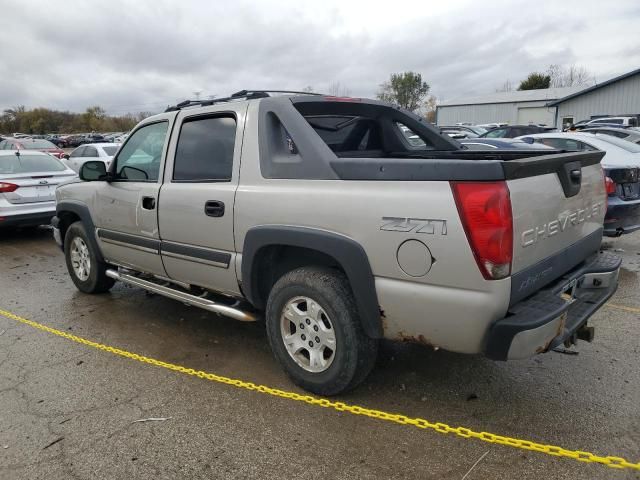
(142, 55)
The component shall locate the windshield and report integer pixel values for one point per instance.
(110, 150)
(29, 163)
(618, 142)
(37, 144)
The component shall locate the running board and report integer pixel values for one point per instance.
(169, 292)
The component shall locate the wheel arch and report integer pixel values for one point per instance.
(327, 248)
(68, 212)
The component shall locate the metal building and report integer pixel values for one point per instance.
(617, 97)
(517, 107)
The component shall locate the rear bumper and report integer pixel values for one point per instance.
(549, 318)
(622, 217)
(26, 219)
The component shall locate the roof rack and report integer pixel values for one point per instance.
(242, 94)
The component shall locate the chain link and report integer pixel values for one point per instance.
(587, 457)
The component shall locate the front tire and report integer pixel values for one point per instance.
(315, 331)
(86, 271)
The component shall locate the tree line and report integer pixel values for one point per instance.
(39, 121)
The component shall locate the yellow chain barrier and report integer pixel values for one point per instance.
(612, 462)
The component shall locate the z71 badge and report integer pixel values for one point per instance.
(430, 226)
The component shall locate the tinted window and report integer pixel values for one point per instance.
(497, 133)
(3, 145)
(38, 144)
(624, 144)
(205, 150)
(560, 143)
(90, 152)
(139, 159)
(77, 152)
(110, 150)
(29, 164)
(609, 120)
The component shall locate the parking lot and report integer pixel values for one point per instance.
(70, 411)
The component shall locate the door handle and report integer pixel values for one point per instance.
(148, 203)
(214, 208)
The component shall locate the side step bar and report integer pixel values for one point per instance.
(169, 292)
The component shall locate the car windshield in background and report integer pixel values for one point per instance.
(10, 164)
(33, 144)
(618, 142)
(111, 151)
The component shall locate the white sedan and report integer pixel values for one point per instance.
(93, 151)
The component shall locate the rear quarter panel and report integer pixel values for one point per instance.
(451, 306)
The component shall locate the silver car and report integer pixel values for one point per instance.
(28, 181)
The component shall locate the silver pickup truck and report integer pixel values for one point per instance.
(342, 221)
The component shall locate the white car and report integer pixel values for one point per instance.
(93, 151)
(28, 181)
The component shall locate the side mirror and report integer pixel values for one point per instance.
(528, 140)
(65, 156)
(92, 171)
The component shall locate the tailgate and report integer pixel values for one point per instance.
(558, 204)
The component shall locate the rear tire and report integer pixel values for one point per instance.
(315, 331)
(86, 271)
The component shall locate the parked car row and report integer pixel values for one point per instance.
(73, 141)
(494, 130)
(25, 143)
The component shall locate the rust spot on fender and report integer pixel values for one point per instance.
(420, 339)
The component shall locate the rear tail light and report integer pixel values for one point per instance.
(8, 187)
(609, 186)
(485, 211)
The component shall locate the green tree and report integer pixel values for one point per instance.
(535, 81)
(404, 89)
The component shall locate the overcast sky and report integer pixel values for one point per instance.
(141, 55)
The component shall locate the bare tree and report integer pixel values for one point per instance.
(336, 89)
(507, 86)
(572, 76)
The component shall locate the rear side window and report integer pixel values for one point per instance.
(90, 152)
(29, 164)
(111, 150)
(205, 150)
(497, 133)
(37, 144)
